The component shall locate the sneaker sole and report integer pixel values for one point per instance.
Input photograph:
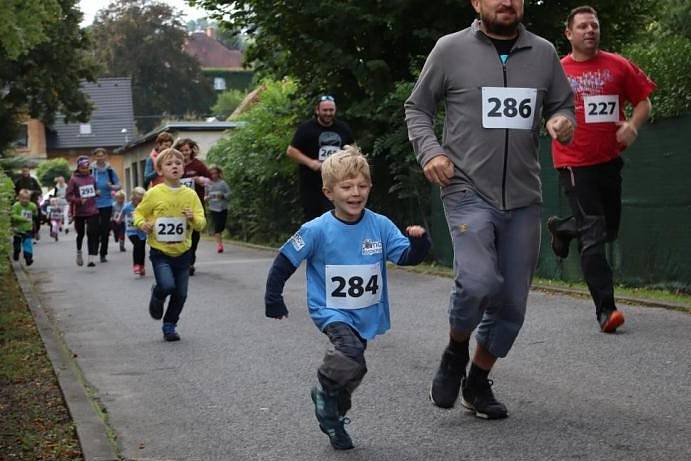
(469, 407)
(615, 321)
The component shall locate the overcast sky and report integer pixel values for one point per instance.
(90, 7)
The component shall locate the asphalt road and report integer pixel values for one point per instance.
(237, 386)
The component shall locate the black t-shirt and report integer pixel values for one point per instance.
(503, 46)
(318, 142)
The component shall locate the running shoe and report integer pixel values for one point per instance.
(15, 255)
(219, 248)
(610, 321)
(169, 333)
(104, 259)
(478, 398)
(447, 381)
(559, 243)
(28, 259)
(80, 259)
(330, 423)
(137, 269)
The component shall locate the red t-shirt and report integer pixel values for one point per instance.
(599, 84)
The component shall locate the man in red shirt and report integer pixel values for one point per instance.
(590, 166)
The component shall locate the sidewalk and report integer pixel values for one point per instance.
(236, 386)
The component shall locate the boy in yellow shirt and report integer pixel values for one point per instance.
(168, 213)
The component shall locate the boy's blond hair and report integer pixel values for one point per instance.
(24, 193)
(168, 153)
(345, 164)
(139, 191)
(120, 193)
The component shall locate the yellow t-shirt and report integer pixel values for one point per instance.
(162, 206)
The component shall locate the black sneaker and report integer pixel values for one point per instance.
(104, 259)
(447, 381)
(15, 255)
(330, 423)
(559, 242)
(91, 264)
(29, 260)
(155, 306)
(478, 397)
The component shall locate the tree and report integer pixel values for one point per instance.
(42, 60)
(144, 40)
(50, 169)
(227, 102)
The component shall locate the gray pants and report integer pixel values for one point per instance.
(495, 254)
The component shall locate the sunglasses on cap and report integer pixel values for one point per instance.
(326, 98)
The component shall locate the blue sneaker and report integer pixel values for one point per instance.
(330, 422)
(169, 333)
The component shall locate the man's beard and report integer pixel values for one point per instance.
(497, 28)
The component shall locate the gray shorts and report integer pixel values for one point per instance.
(495, 254)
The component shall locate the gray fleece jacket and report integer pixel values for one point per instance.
(500, 164)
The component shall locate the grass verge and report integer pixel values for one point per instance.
(663, 298)
(35, 423)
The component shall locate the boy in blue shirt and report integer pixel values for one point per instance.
(346, 251)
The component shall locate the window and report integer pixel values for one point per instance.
(22, 139)
(85, 128)
(219, 83)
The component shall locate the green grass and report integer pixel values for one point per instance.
(664, 298)
(35, 424)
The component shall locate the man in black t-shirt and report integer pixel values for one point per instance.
(312, 143)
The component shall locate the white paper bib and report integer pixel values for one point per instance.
(171, 230)
(189, 182)
(27, 214)
(601, 109)
(87, 191)
(508, 107)
(327, 151)
(353, 287)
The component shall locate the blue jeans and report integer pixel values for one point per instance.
(23, 242)
(172, 275)
(495, 255)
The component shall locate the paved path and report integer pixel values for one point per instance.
(236, 386)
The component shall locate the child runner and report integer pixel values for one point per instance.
(217, 194)
(136, 236)
(55, 213)
(346, 251)
(22, 217)
(81, 193)
(117, 224)
(168, 213)
(196, 176)
(151, 176)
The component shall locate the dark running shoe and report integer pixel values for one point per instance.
(104, 259)
(29, 260)
(447, 381)
(610, 321)
(330, 423)
(15, 256)
(559, 243)
(169, 333)
(478, 398)
(155, 306)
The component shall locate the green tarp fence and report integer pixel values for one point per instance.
(654, 245)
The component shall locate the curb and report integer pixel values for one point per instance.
(91, 429)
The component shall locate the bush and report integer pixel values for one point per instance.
(264, 203)
(226, 103)
(665, 60)
(48, 170)
(6, 199)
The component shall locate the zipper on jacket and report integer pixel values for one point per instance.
(506, 152)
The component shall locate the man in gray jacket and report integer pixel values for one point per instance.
(498, 82)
